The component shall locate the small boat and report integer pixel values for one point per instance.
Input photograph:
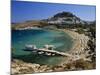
(30, 48)
(49, 47)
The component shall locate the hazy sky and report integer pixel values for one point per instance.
(23, 11)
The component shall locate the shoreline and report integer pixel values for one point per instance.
(78, 49)
(79, 42)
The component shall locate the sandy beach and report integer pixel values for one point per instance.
(78, 49)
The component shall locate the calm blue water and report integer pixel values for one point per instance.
(39, 37)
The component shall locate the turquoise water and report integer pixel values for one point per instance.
(39, 37)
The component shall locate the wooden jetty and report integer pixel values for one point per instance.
(48, 50)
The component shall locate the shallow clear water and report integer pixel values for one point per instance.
(39, 37)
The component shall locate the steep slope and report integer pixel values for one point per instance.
(65, 18)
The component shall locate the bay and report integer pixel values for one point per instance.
(39, 37)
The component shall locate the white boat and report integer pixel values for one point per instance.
(49, 47)
(30, 48)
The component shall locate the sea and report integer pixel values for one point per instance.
(39, 37)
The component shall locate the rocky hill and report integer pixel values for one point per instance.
(65, 18)
(62, 19)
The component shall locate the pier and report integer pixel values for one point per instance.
(47, 50)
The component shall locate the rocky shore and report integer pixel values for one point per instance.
(21, 67)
